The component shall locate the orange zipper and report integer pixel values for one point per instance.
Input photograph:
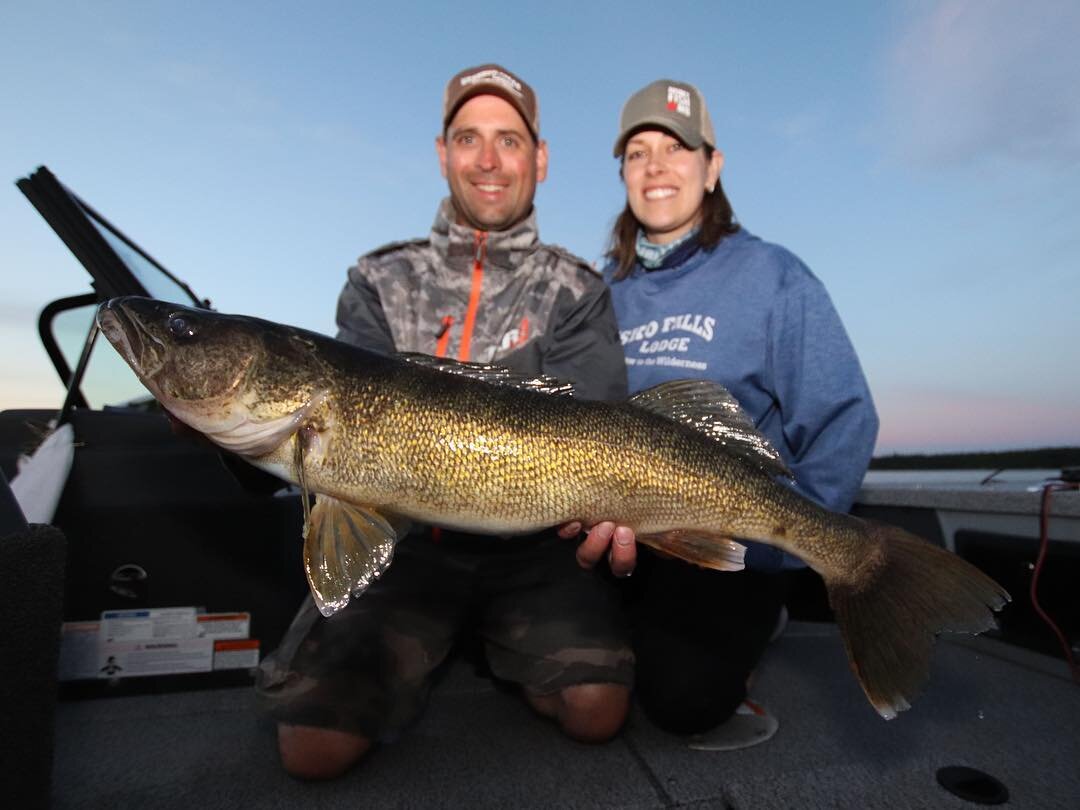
(474, 295)
(444, 336)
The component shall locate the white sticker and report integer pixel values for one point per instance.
(125, 659)
(148, 624)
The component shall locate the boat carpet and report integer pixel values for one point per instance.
(1007, 712)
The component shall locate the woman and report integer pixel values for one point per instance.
(696, 295)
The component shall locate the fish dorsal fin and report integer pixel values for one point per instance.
(710, 408)
(490, 373)
(346, 548)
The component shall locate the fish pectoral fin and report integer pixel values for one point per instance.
(346, 548)
(716, 551)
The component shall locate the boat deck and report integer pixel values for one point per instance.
(1008, 712)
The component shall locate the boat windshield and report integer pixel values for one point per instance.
(117, 266)
(159, 283)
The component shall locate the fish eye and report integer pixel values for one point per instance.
(182, 327)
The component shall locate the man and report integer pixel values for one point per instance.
(481, 287)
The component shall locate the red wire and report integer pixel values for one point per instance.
(1044, 542)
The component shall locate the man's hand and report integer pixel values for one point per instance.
(617, 541)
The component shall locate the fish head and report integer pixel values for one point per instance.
(182, 355)
(245, 383)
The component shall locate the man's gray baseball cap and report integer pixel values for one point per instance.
(493, 80)
(674, 106)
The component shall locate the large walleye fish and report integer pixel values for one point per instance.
(382, 440)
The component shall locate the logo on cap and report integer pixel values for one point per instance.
(678, 100)
(493, 77)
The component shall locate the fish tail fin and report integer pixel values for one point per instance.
(717, 551)
(891, 611)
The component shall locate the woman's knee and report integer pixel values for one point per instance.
(308, 752)
(688, 711)
(685, 686)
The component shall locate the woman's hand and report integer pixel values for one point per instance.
(617, 541)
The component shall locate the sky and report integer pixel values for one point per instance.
(923, 158)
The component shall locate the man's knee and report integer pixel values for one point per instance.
(308, 752)
(593, 712)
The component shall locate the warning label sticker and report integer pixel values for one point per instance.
(148, 625)
(238, 654)
(224, 625)
(125, 659)
(156, 641)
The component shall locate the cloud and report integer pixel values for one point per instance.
(970, 79)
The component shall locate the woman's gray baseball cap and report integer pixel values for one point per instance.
(677, 107)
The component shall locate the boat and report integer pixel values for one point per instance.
(187, 562)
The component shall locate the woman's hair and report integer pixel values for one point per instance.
(717, 221)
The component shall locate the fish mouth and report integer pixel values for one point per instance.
(130, 337)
